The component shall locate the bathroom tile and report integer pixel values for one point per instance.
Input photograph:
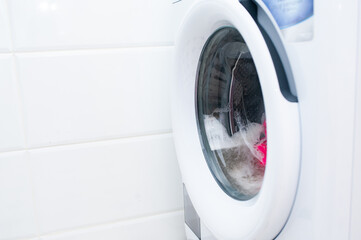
(11, 133)
(162, 227)
(92, 95)
(17, 219)
(64, 24)
(88, 184)
(5, 43)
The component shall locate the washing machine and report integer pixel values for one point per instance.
(263, 112)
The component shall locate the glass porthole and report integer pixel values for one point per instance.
(231, 114)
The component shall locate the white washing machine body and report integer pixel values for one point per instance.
(307, 81)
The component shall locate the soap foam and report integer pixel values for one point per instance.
(239, 159)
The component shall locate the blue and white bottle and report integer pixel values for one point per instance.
(294, 18)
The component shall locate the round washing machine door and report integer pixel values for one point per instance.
(230, 114)
(237, 138)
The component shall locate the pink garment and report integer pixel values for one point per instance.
(262, 146)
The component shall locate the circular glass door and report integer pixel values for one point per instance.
(231, 114)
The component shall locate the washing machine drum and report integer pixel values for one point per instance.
(236, 135)
(230, 114)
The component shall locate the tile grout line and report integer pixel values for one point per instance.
(105, 140)
(355, 122)
(130, 220)
(20, 97)
(21, 109)
(15, 76)
(90, 49)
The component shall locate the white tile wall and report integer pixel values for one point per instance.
(62, 24)
(94, 95)
(17, 214)
(86, 147)
(5, 43)
(161, 227)
(11, 132)
(105, 181)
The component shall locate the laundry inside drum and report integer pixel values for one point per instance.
(231, 114)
